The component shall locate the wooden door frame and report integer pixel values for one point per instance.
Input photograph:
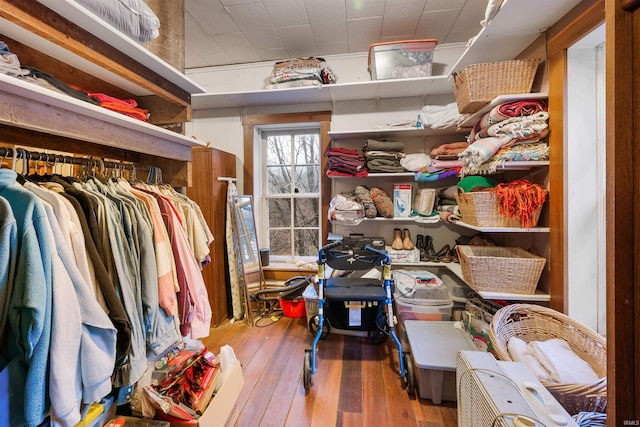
(623, 184)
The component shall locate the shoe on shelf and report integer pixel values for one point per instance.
(454, 254)
(407, 244)
(444, 254)
(420, 246)
(428, 248)
(397, 239)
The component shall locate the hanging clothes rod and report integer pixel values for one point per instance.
(226, 178)
(20, 153)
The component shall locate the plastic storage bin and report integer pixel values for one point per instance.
(408, 311)
(310, 296)
(401, 59)
(434, 346)
(292, 307)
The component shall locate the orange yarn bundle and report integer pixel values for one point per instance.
(520, 199)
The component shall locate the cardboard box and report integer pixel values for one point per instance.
(401, 200)
(223, 403)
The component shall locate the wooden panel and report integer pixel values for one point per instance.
(211, 195)
(164, 112)
(623, 207)
(169, 45)
(38, 19)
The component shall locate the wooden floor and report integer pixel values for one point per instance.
(356, 383)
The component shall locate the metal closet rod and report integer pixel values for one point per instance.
(6, 152)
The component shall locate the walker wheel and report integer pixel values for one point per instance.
(306, 371)
(409, 378)
(314, 324)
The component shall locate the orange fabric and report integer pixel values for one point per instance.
(520, 199)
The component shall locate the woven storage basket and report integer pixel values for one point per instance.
(482, 209)
(477, 84)
(536, 323)
(500, 269)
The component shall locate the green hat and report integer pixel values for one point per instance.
(475, 183)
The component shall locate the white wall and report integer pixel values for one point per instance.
(585, 185)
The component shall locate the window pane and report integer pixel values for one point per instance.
(306, 214)
(280, 242)
(307, 179)
(307, 148)
(279, 150)
(279, 180)
(279, 212)
(306, 242)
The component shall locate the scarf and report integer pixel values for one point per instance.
(520, 199)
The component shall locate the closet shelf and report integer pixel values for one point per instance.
(517, 24)
(388, 133)
(376, 89)
(502, 229)
(29, 106)
(87, 20)
(539, 295)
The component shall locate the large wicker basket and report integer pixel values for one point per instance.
(500, 269)
(477, 84)
(482, 209)
(536, 323)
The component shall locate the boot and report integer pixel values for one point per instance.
(428, 248)
(407, 244)
(420, 246)
(397, 239)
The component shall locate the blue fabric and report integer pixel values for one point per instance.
(26, 354)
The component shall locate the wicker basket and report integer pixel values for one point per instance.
(500, 269)
(482, 209)
(478, 84)
(536, 323)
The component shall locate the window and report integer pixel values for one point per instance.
(290, 192)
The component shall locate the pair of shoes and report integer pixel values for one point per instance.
(420, 246)
(428, 248)
(444, 254)
(402, 240)
(454, 254)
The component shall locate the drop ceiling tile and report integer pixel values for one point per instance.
(255, 23)
(211, 16)
(237, 47)
(287, 13)
(357, 9)
(468, 18)
(434, 5)
(298, 41)
(436, 25)
(238, 2)
(214, 60)
(328, 20)
(198, 40)
(362, 33)
(401, 17)
(192, 59)
(460, 36)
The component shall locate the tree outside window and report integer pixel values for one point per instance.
(292, 193)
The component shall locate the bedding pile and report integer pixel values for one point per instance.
(134, 18)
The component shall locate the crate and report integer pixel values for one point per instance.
(401, 59)
(293, 308)
(477, 84)
(500, 269)
(482, 209)
(408, 311)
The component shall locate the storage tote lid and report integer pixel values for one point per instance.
(435, 344)
(420, 45)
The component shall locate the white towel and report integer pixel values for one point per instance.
(563, 364)
(519, 351)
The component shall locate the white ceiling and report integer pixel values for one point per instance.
(224, 32)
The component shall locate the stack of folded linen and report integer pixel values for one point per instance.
(345, 162)
(383, 156)
(308, 71)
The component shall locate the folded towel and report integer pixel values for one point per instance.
(519, 352)
(372, 145)
(564, 366)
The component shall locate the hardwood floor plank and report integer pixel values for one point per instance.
(351, 379)
(273, 394)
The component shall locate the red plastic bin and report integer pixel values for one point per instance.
(293, 307)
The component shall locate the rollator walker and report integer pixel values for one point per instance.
(371, 298)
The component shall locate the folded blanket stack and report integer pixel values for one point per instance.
(383, 156)
(308, 71)
(345, 162)
(509, 131)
